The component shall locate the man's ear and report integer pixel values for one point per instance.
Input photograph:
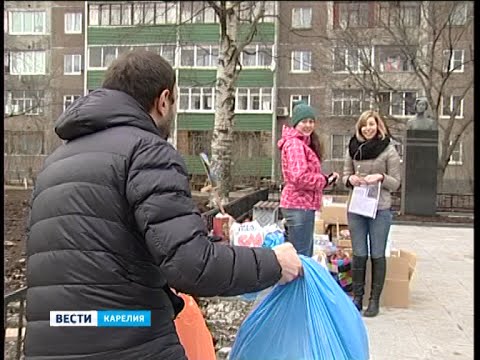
(163, 102)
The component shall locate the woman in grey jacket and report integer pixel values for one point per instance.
(371, 158)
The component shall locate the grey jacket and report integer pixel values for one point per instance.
(387, 163)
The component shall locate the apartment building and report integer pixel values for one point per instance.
(344, 57)
(43, 74)
(319, 52)
(187, 34)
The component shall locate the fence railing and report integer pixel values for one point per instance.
(13, 319)
(237, 208)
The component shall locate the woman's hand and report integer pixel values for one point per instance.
(333, 178)
(373, 178)
(356, 180)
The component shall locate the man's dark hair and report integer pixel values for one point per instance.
(142, 74)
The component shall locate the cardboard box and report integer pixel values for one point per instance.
(400, 270)
(345, 243)
(335, 213)
(320, 227)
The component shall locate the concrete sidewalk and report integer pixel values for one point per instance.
(439, 322)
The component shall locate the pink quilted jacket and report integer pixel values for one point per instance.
(302, 172)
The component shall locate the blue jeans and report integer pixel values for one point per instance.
(299, 229)
(377, 230)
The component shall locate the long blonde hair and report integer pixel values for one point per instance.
(382, 129)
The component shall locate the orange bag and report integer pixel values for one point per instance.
(193, 332)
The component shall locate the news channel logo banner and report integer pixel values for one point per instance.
(101, 318)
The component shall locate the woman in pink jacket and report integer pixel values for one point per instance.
(303, 177)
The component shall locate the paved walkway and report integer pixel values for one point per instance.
(439, 321)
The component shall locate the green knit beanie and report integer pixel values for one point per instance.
(300, 112)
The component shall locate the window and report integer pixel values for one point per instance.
(350, 59)
(400, 103)
(166, 51)
(269, 14)
(28, 22)
(69, 100)
(404, 14)
(72, 64)
(253, 99)
(100, 57)
(249, 9)
(393, 59)
(198, 142)
(24, 103)
(24, 142)
(293, 98)
(6, 62)
(458, 15)
(301, 18)
(352, 14)
(27, 63)
(452, 105)
(200, 56)
(197, 12)
(141, 13)
(250, 145)
(196, 99)
(457, 154)
(339, 146)
(301, 61)
(347, 102)
(73, 23)
(257, 55)
(453, 60)
(93, 15)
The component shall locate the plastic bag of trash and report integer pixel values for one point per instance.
(310, 318)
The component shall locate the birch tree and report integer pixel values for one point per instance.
(231, 15)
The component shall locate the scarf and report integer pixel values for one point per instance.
(366, 150)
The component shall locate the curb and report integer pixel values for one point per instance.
(433, 224)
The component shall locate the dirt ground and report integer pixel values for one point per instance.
(16, 215)
(16, 210)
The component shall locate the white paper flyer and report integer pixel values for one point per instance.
(364, 200)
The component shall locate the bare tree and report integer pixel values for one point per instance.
(232, 43)
(423, 41)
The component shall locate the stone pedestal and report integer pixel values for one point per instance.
(419, 183)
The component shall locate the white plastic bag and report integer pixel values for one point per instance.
(249, 234)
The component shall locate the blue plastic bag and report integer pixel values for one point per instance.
(273, 238)
(310, 318)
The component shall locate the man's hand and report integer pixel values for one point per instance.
(289, 261)
(373, 178)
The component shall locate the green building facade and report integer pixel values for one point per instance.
(187, 34)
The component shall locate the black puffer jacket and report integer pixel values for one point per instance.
(112, 222)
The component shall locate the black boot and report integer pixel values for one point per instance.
(359, 264)
(378, 279)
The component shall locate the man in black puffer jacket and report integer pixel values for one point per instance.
(113, 225)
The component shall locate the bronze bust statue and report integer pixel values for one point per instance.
(421, 121)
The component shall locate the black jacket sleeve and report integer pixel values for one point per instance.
(175, 233)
